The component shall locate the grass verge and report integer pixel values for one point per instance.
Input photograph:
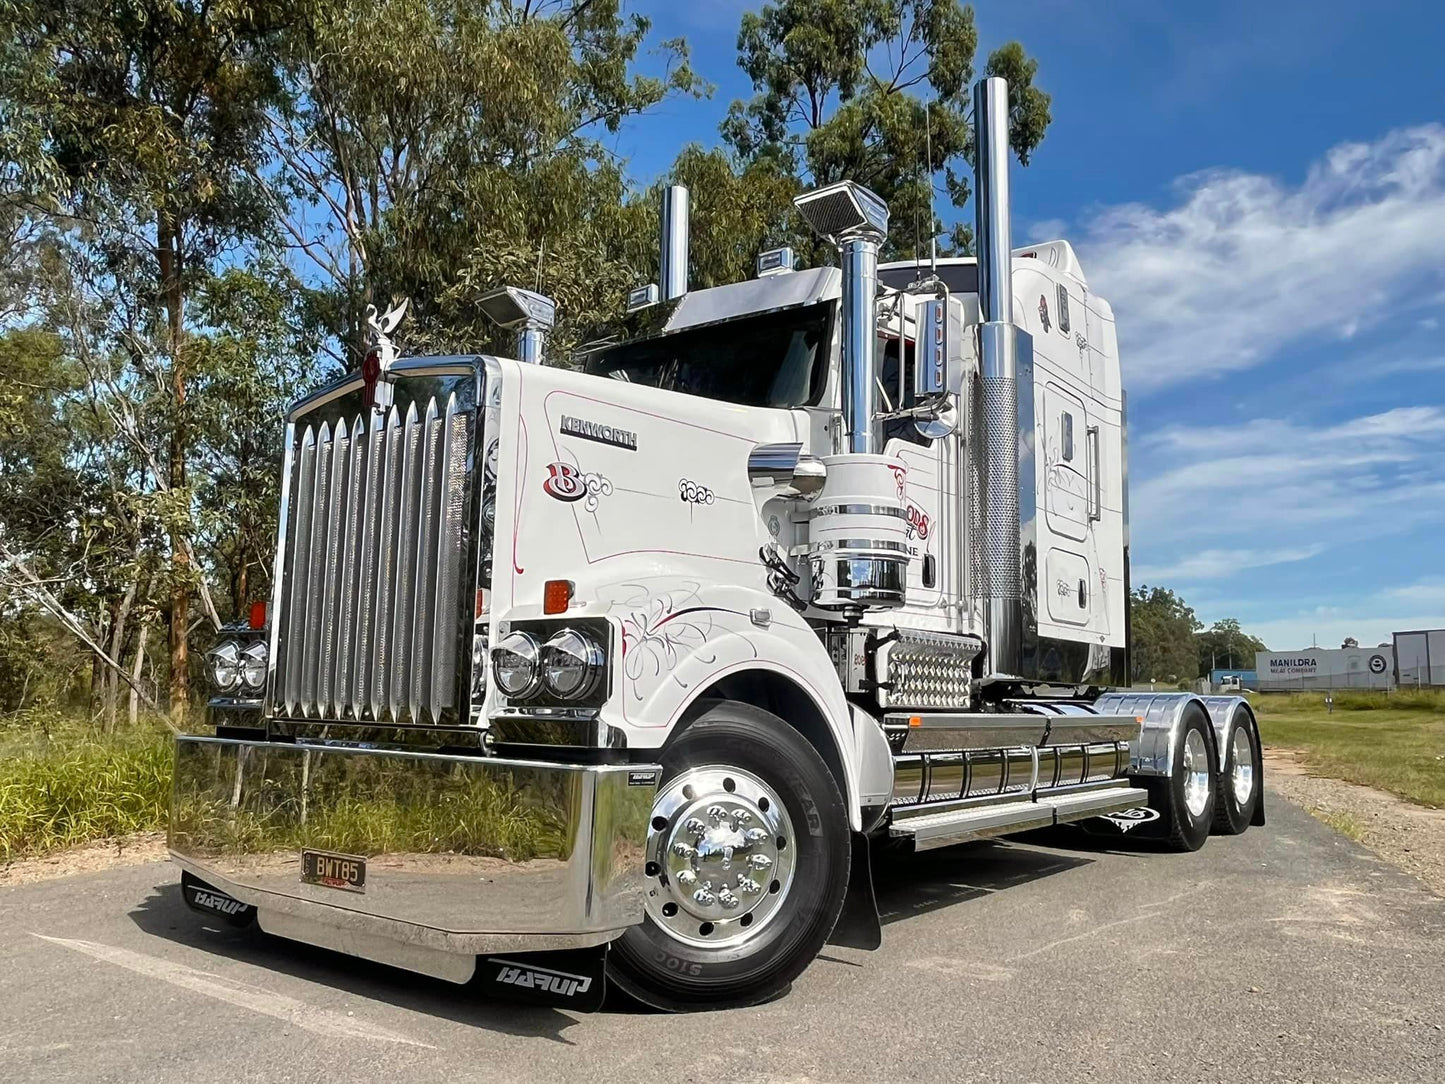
(62, 783)
(1394, 743)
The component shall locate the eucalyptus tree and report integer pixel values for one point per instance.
(138, 123)
(435, 148)
(876, 91)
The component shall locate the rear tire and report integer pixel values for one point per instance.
(747, 866)
(1239, 782)
(1185, 800)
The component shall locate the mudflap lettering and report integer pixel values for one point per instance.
(1141, 821)
(572, 979)
(206, 900)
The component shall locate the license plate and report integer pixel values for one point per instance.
(345, 871)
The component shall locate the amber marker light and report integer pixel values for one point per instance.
(556, 594)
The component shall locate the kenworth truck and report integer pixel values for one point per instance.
(611, 675)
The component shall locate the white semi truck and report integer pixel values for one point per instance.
(612, 676)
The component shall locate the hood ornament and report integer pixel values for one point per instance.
(381, 354)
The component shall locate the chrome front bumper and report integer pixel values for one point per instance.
(464, 855)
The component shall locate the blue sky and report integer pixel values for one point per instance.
(1259, 191)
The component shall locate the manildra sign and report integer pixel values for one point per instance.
(1292, 666)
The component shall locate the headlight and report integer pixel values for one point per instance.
(571, 665)
(253, 664)
(515, 664)
(225, 663)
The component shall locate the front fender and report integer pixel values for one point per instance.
(680, 637)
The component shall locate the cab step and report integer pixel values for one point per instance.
(928, 830)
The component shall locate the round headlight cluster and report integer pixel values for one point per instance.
(515, 662)
(567, 667)
(225, 664)
(233, 667)
(571, 665)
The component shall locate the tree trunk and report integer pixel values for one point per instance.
(135, 672)
(117, 642)
(168, 252)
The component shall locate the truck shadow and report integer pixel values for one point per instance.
(911, 884)
(164, 914)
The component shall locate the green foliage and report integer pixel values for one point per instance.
(1162, 627)
(865, 90)
(62, 784)
(1224, 645)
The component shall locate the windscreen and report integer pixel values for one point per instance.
(775, 359)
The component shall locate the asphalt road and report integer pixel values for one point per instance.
(1287, 954)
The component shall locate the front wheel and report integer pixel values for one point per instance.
(747, 865)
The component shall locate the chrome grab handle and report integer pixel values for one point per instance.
(1096, 486)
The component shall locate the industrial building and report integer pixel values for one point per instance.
(1420, 658)
(1325, 668)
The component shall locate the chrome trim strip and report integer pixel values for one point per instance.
(859, 510)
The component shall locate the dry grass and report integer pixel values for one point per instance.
(1394, 743)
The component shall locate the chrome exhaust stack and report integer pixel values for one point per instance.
(858, 546)
(1005, 493)
(527, 312)
(855, 220)
(676, 211)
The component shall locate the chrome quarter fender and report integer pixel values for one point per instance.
(1162, 714)
(1223, 710)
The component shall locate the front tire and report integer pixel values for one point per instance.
(1239, 782)
(747, 865)
(1185, 800)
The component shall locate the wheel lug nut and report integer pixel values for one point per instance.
(759, 861)
(686, 877)
(716, 814)
(741, 817)
(755, 835)
(682, 850)
(748, 887)
(704, 897)
(727, 899)
(695, 827)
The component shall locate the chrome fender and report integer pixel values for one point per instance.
(1162, 714)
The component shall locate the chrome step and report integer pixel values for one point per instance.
(978, 822)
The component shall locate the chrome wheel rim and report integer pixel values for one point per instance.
(1196, 773)
(720, 857)
(1241, 776)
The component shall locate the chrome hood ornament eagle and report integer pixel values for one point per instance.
(381, 353)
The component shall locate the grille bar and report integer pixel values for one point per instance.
(375, 558)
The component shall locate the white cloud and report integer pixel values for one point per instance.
(1216, 564)
(1244, 265)
(1329, 625)
(1287, 487)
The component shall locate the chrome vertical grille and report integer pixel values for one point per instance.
(374, 559)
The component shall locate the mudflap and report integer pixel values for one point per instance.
(203, 899)
(565, 979)
(858, 924)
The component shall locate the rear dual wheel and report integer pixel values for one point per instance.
(747, 865)
(1186, 798)
(1239, 784)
